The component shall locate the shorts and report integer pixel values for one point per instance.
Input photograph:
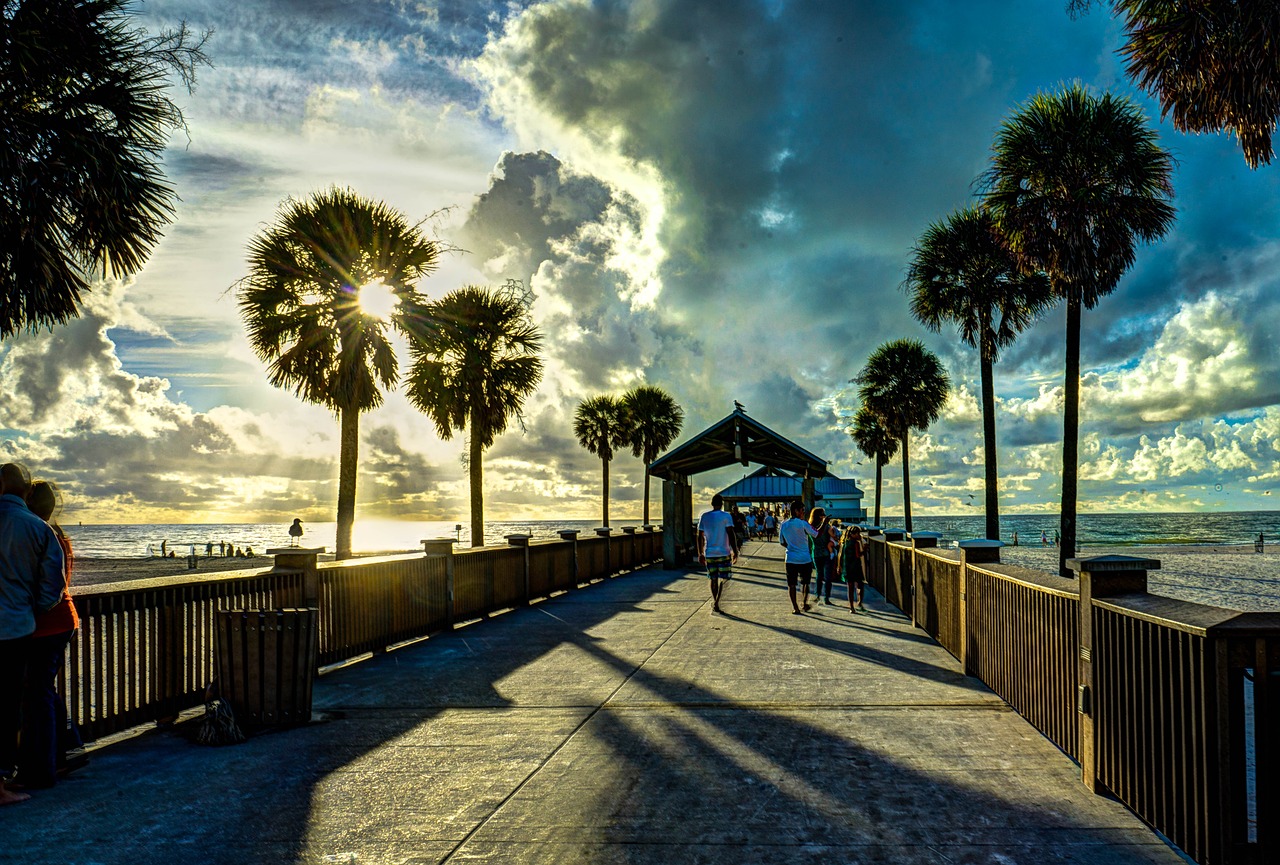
(799, 573)
(719, 566)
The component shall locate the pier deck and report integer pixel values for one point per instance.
(618, 723)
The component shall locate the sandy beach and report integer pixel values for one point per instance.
(1223, 575)
(95, 571)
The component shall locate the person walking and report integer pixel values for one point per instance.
(32, 581)
(822, 545)
(850, 563)
(770, 525)
(717, 547)
(41, 748)
(794, 535)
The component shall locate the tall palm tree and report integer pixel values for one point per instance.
(1212, 64)
(474, 359)
(876, 442)
(85, 119)
(601, 427)
(1076, 181)
(905, 386)
(962, 273)
(323, 288)
(654, 423)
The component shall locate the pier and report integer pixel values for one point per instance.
(618, 722)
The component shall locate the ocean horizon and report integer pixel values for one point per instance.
(130, 540)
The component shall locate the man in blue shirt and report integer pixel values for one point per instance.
(31, 581)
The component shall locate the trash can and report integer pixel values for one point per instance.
(266, 662)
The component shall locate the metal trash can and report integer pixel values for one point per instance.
(266, 663)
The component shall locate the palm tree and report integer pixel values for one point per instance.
(655, 422)
(324, 284)
(474, 359)
(1210, 63)
(1075, 182)
(600, 425)
(962, 273)
(85, 118)
(905, 386)
(876, 442)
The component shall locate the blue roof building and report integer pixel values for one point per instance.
(841, 498)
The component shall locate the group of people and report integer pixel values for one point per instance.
(37, 620)
(814, 546)
(756, 523)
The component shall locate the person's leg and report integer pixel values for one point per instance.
(792, 575)
(715, 593)
(13, 665)
(806, 574)
(831, 576)
(38, 755)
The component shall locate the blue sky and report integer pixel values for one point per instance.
(717, 198)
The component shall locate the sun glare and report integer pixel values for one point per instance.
(377, 300)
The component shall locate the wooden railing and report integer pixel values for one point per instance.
(145, 649)
(1171, 706)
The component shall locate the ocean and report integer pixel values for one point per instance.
(384, 536)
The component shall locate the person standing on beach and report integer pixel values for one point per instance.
(794, 536)
(41, 750)
(31, 581)
(717, 547)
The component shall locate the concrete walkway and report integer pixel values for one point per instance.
(618, 723)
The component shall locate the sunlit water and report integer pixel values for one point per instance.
(128, 541)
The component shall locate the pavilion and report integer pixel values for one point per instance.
(737, 438)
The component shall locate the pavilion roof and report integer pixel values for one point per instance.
(737, 438)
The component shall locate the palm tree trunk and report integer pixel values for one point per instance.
(989, 445)
(906, 482)
(477, 482)
(605, 463)
(1070, 436)
(879, 475)
(348, 459)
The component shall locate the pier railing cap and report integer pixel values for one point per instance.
(935, 535)
(569, 534)
(295, 551)
(603, 532)
(518, 540)
(1103, 564)
(648, 527)
(438, 546)
(438, 540)
(979, 544)
(628, 530)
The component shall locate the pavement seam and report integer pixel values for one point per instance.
(569, 738)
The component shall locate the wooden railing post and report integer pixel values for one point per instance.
(302, 559)
(919, 541)
(1100, 577)
(442, 548)
(571, 535)
(629, 533)
(523, 542)
(608, 544)
(977, 551)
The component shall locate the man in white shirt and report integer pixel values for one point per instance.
(717, 547)
(794, 536)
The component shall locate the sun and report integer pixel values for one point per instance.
(377, 300)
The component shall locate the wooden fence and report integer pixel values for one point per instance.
(145, 650)
(1171, 706)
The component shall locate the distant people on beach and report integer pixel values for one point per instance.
(1259, 544)
(794, 535)
(32, 582)
(1044, 538)
(208, 548)
(718, 546)
(1015, 539)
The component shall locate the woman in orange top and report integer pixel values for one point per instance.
(40, 750)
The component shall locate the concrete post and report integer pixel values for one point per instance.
(894, 534)
(434, 548)
(522, 541)
(670, 519)
(571, 535)
(1100, 577)
(630, 540)
(807, 492)
(919, 541)
(977, 551)
(689, 532)
(301, 559)
(605, 532)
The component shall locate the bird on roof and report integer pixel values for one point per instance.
(739, 406)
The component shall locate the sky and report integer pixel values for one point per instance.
(718, 198)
